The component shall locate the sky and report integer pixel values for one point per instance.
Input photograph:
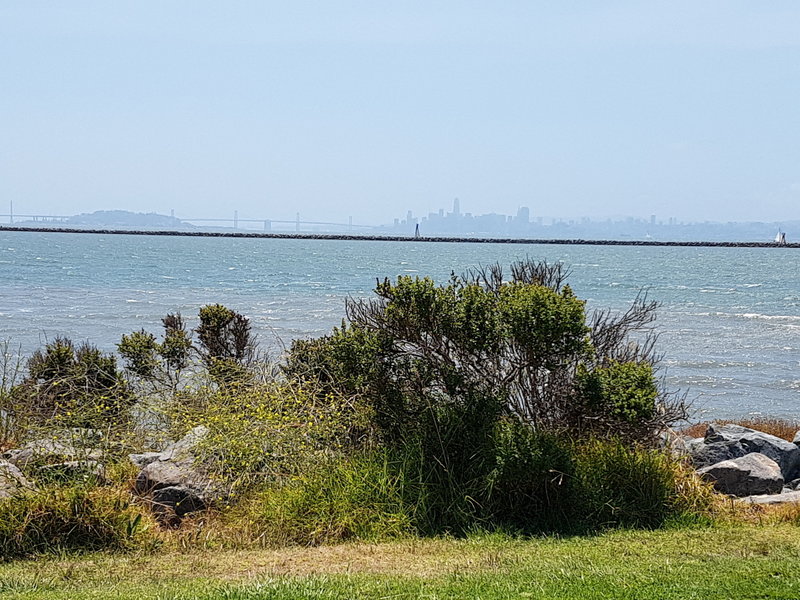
(368, 109)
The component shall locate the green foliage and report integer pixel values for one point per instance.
(349, 362)
(539, 483)
(225, 346)
(524, 342)
(78, 387)
(346, 360)
(620, 485)
(547, 327)
(356, 497)
(154, 362)
(433, 408)
(266, 431)
(450, 455)
(532, 487)
(224, 335)
(626, 391)
(177, 344)
(72, 518)
(140, 352)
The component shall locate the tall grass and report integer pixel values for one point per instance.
(73, 518)
(354, 497)
(620, 485)
(544, 485)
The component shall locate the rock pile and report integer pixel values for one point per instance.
(66, 454)
(746, 463)
(174, 480)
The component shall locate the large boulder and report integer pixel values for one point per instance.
(705, 454)
(175, 480)
(750, 475)
(12, 481)
(786, 454)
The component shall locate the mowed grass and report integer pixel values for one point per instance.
(737, 561)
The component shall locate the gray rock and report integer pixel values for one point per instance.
(186, 445)
(706, 454)
(786, 454)
(773, 499)
(144, 459)
(168, 473)
(12, 481)
(692, 444)
(796, 438)
(672, 441)
(62, 445)
(750, 475)
(19, 456)
(175, 481)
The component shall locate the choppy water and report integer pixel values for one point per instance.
(729, 322)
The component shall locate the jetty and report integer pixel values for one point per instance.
(399, 238)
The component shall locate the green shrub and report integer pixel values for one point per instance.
(526, 342)
(226, 343)
(225, 346)
(483, 381)
(72, 518)
(625, 391)
(75, 387)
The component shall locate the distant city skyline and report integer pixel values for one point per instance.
(442, 223)
(523, 214)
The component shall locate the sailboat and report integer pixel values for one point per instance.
(780, 238)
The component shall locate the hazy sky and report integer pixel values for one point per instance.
(336, 108)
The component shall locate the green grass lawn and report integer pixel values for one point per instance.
(742, 561)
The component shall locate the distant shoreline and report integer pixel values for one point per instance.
(397, 238)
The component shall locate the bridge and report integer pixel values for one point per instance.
(268, 223)
(236, 223)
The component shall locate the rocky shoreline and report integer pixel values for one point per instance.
(744, 463)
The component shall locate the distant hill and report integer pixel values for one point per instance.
(126, 219)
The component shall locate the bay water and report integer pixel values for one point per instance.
(729, 319)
